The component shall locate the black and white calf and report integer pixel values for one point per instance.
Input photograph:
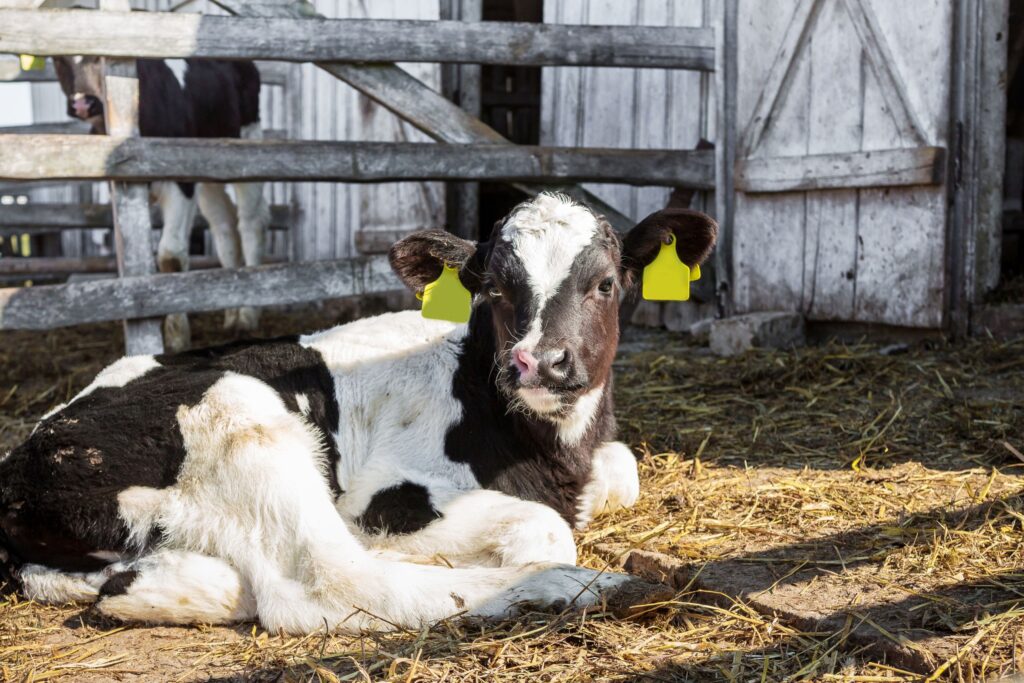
(195, 98)
(286, 479)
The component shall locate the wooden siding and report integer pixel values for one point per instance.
(632, 108)
(330, 214)
(820, 77)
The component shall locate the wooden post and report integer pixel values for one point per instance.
(726, 28)
(461, 84)
(129, 201)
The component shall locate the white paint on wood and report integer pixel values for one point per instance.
(874, 79)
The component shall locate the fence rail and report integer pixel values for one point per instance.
(48, 306)
(219, 160)
(168, 35)
(53, 217)
(358, 52)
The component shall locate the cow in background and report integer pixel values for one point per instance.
(196, 98)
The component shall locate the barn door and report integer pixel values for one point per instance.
(842, 121)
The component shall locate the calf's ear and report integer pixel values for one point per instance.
(695, 234)
(419, 258)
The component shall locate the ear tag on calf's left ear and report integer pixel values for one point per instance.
(666, 278)
(32, 63)
(446, 298)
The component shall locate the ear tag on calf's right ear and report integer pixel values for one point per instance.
(32, 63)
(446, 298)
(666, 278)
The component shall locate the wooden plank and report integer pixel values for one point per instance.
(879, 168)
(780, 75)
(29, 157)
(49, 128)
(49, 306)
(271, 73)
(403, 95)
(462, 85)
(82, 128)
(726, 142)
(87, 264)
(883, 64)
(378, 241)
(830, 242)
(167, 35)
(129, 201)
(901, 232)
(78, 216)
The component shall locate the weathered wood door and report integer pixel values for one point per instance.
(841, 195)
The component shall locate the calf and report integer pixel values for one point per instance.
(282, 479)
(201, 98)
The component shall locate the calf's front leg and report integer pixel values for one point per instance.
(614, 482)
(475, 528)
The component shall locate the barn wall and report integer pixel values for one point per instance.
(330, 213)
(631, 108)
(867, 255)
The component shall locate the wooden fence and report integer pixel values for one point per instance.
(288, 31)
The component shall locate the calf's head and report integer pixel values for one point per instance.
(549, 283)
(81, 79)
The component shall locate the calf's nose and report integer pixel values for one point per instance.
(554, 364)
(526, 364)
(81, 107)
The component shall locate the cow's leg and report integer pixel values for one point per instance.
(56, 587)
(219, 211)
(179, 211)
(480, 528)
(251, 492)
(253, 223)
(614, 482)
(177, 587)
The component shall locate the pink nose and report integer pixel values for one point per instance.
(81, 107)
(526, 363)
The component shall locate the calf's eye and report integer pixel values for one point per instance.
(606, 285)
(494, 293)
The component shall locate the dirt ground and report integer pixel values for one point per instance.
(834, 513)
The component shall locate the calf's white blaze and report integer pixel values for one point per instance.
(547, 235)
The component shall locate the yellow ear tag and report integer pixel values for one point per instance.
(32, 63)
(667, 278)
(446, 298)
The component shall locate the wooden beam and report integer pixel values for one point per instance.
(378, 241)
(129, 201)
(79, 216)
(60, 265)
(48, 128)
(461, 83)
(167, 35)
(882, 168)
(50, 306)
(271, 73)
(82, 128)
(408, 98)
(35, 157)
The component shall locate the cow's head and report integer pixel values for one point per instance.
(550, 281)
(81, 79)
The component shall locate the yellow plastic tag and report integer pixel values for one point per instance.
(667, 278)
(32, 63)
(446, 298)
(695, 272)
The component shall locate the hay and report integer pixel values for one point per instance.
(842, 513)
